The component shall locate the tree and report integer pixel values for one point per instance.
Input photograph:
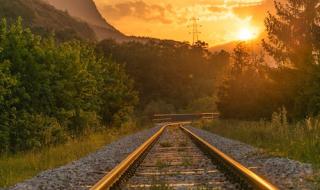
(7, 85)
(244, 93)
(175, 73)
(293, 40)
(293, 33)
(117, 93)
(241, 59)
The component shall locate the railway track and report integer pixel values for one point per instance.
(175, 158)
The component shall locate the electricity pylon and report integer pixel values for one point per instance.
(195, 30)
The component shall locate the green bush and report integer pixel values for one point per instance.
(36, 131)
(7, 84)
(50, 91)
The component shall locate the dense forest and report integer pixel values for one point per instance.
(171, 76)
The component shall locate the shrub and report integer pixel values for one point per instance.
(50, 91)
(35, 131)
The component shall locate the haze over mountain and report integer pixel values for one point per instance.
(254, 46)
(43, 19)
(87, 11)
(253, 43)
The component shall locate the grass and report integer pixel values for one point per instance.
(165, 144)
(186, 162)
(161, 164)
(160, 186)
(299, 141)
(21, 166)
(183, 144)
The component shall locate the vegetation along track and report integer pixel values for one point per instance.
(175, 158)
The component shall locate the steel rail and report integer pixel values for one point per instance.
(200, 113)
(114, 175)
(256, 181)
(195, 114)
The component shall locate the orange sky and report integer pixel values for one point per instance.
(221, 21)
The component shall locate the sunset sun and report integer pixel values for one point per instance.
(245, 34)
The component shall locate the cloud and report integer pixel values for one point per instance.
(220, 19)
(258, 11)
(140, 10)
(215, 9)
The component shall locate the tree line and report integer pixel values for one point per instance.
(253, 89)
(170, 76)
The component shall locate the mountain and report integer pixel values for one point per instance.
(43, 18)
(87, 11)
(83, 9)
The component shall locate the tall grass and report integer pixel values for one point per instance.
(299, 141)
(21, 166)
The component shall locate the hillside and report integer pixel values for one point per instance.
(44, 18)
(227, 47)
(254, 43)
(87, 11)
(255, 47)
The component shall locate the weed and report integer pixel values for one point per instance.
(183, 144)
(186, 162)
(21, 166)
(165, 144)
(161, 164)
(161, 186)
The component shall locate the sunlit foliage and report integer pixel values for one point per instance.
(50, 92)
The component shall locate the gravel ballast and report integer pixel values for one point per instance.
(283, 172)
(83, 173)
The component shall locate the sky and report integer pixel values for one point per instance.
(220, 21)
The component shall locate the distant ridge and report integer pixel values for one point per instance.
(83, 9)
(255, 45)
(43, 19)
(229, 46)
(87, 11)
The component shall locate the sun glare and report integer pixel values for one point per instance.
(245, 34)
